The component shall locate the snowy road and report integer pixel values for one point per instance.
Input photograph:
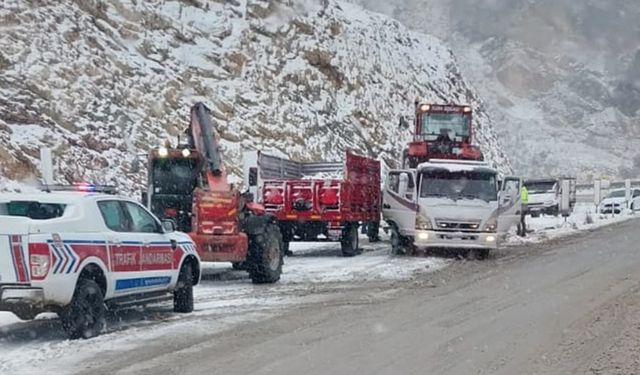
(567, 306)
(337, 296)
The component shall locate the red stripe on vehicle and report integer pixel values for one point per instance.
(84, 251)
(18, 256)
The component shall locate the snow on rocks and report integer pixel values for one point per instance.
(99, 82)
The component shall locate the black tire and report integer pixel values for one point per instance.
(183, 294)
(535, 214)
(266, 255)
(478, 254)
(349, 241)
(84, 317)
(400, 245)
(285, 248)
(373, 229)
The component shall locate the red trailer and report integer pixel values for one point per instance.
(316, 201)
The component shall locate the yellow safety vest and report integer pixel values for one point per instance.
(524, 195)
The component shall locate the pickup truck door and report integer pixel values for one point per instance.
(510, 204)
(157, 268)
(123, 247)
(399, 200)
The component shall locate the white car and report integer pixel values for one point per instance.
(79, 253)
(616, 201)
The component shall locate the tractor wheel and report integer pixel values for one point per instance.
(372, 231)
(400, 245)
(350, 240)
(183, 294)
(84, 317)
(266, 255)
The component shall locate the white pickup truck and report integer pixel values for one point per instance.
(450, 204)
(78, 253)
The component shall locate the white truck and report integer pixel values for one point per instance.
(77, 253)
(452, 204)
(544, 195)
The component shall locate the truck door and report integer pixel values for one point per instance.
(123, 245)
(399, 200)
(510, 204)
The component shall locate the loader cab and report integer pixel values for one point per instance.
(173, 176)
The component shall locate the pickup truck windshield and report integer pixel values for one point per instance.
(458, 185)
(174, 176)
(32, 209)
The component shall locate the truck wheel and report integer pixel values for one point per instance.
(183, 294)
(372, 231)
(285, 248)
(266, 256)
(349, 241)
(400, 245)
(84, 317)
(535, 214)
(478, 254)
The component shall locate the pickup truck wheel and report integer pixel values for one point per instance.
(349, 241)
(266, 253)
(84, 317)
(183, 294)
(373, 229)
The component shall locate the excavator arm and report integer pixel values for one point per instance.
(202, 138)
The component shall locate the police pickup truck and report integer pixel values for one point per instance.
(79, 253)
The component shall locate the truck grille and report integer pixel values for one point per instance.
(458, 226)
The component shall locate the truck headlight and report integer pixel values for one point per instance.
(491, 225)
(422, 222)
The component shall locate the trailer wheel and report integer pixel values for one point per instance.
(400, 245)
(266, 255)
(350, 240)
(84, 317)
(373, 229)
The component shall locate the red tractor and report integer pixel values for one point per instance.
(442, 131)
(188, 184)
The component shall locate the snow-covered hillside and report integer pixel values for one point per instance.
(101, 81)
(561, 78)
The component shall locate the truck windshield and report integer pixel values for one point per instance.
(459, 185)
(455, 125)
(174, 176)
(540, 187)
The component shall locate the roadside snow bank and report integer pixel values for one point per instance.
(583, 218)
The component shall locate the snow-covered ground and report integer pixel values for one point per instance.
(224, 298)
(583, 218)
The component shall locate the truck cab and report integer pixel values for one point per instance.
(451, 204)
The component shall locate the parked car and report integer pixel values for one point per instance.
(79, 253)
(616, 201)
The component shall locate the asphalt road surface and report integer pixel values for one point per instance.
(569, 306)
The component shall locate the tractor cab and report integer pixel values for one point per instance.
(440, 132)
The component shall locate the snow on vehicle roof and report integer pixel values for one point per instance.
(457, 166)
(56, 197)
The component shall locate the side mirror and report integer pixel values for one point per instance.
(168, 225)
(135, 165)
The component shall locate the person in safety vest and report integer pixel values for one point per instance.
(524, 199)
